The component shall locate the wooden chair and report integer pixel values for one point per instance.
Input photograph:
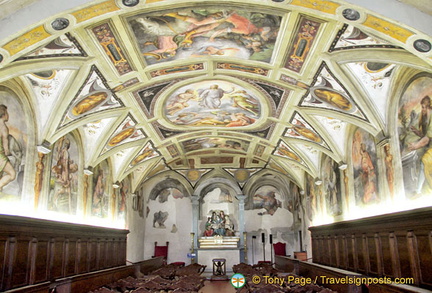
(161, 251)
(280, 248)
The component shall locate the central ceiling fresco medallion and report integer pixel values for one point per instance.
(213, 103)
(184, 34)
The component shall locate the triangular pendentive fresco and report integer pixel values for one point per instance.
(147, 152)
(210, 31)
(94, 96)
(146, 97)
(282, 167)
(121, 158)
(336, 129)
(126, 132)
(328, 93)
(284, 151)
(309, 152)
(277, 94)
(164, 132)
(92, 131)
(350, 37)
(301, 129)
(63, 46)
(158, 168)
(47, 86)
(375, 78)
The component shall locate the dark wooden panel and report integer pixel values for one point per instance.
(350, 251)
(92, 259)
(108, 253)
(424, 242)
(315, 249)
(3, 252)
(100, 254)
(392, 245)
(41, 264)
(82, 256)
(36, 251)
(359, 253)
(404, 258)
(57, 251)
(114, 255)
(379, 257)
(71, 256)
(20, 265)
(386, 254)
(372, 255)
(332, 251)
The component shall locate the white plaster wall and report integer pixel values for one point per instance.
(279, 225)
(179, 214)
(135, 239)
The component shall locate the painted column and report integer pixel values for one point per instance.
(241, 224)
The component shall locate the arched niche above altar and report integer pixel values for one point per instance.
(218, 211)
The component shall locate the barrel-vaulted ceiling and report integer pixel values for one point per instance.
(196, 85)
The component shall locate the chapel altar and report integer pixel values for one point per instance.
(219, 226)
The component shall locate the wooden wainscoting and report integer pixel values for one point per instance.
(34, 251)
(395, 245)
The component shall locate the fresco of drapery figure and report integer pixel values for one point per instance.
(313, 198)
(13, 144)
(124, 190)
(267, 198)
(198, 33)
(100, 198)
(364, 161)
(332, 187)
(64, 180)
(415, 131)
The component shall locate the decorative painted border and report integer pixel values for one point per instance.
(305, 37)
(72, 39)
(108, 41)
(243, 68)
(340, 33)
(177, 69)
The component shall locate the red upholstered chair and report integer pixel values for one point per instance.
(279, 248)
(161, 251)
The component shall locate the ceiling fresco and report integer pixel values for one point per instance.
(240, 87)
(205, 31)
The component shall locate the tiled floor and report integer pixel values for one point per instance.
(217, 287)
